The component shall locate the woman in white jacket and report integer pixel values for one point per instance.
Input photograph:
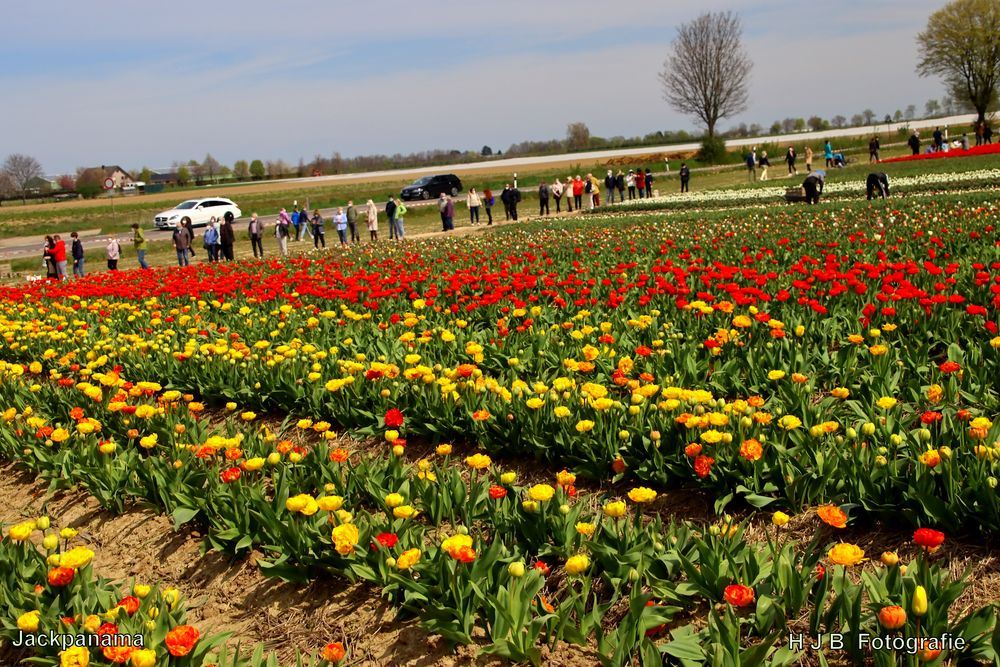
(630, 183)
(473, 201)
(557, 192)
(372, 213)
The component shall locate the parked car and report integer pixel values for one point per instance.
(429, 187)
(198, 211)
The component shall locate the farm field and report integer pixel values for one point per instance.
(682, 431)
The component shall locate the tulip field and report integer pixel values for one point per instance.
(498, 434)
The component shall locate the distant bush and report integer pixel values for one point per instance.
(713, 149)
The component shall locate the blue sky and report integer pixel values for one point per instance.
(151, 83)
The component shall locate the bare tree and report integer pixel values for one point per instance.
(707, 73)
(7, 186)
(838, 121)
(932, 108)
(961, 46)
(911, 111)
(21, 169)
(209, 167)
(869, 116)
(241, 169)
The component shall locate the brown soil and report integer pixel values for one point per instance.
(230, 595)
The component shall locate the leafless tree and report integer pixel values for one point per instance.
(577, 137)
(707, 74)
(960, 45)
(210, 167)
(21, 169)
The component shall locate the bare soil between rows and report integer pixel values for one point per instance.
(227, 594)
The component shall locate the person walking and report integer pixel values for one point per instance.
(557, 193)
(751, 162)
(877, 182)
(828, 153)
(182, 244)
(640, 182)
(400, 219)
(488, 202)
(301, 219)
(319, 237)
(256, 231)
(210, 240)
(49, 258)
(390, 214)
(77, 252)
(473, 201)
(227, 236)
(620, 185)
(914, 143)
(371, 216)
(790, 159)
(113, 252)
(340, 223)
(813, 186)
(764, 165)
(685, 176)
(630, 182)
(139, 243)
(873, 148)
(609, 186)
(442, 209)
(649, 183)
(543, 199)
(352, 222)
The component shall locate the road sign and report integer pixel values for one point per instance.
(109, 183)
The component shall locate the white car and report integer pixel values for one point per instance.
(198, 211)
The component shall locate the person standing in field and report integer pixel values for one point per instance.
(190, 228)
(620, 185)
(442, 209)
(488, 202)
(938, 138)
(282, 230)
(630, 182)
(390, 214)
(979, 134)
(685, 177)
(352, 222)
(256, 231)
(649, 183)
(227, 236)
(640, 182)
(515, 199)
(790, 159)
(873, 148)
(400, 219)
(371, 215)
(50, 263)
(828, 153)
(139, 242)
(319, 238)
(609, 186)
(751, 161)
(59, 256)
(505, 200)
(578, 192)
(557, 193)
(449, 214)
(914, 143)
(568, 190)
(473, 201)
(987, 134)
(340, 222)
(543, 199)
(764, 165)
(77, 252)
(113, 251)
(809, 159)
(211, 240)
(182, 244)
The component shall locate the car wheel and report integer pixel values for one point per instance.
(454, 191)
(425, 195)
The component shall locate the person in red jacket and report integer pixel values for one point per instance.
(59, 257)
(578, 192)
(640, 182)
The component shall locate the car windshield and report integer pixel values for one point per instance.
(187, 204)
(423, 181)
